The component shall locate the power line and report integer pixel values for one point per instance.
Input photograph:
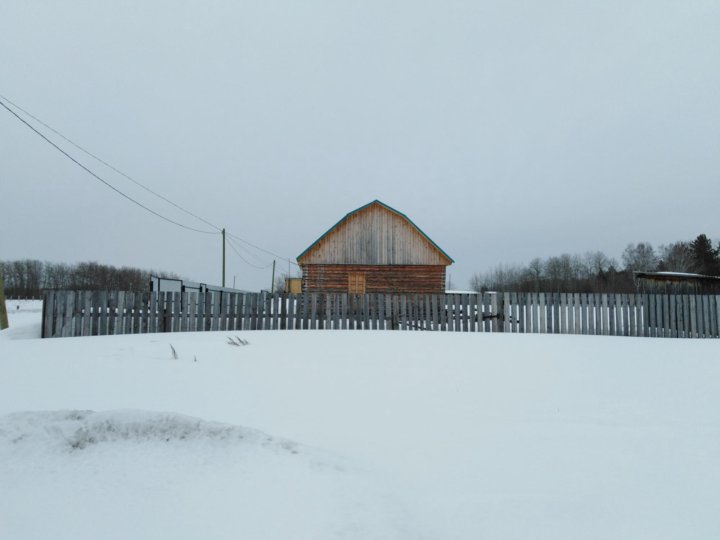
(257, 258)
(233, 247)
(108, 184)
(108, 165)
(263, 250)
(128, 177)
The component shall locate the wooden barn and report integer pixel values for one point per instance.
(374, 249)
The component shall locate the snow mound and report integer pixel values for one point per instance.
(77, 430)
(118, 474)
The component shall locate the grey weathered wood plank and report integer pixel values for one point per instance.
(267, 311)
(254, 310)
(152, 312)
(191, 308)
(672, 316)
(102, 320)
(58, 314)
(77, 313)
(87, 314)
(459, 312)
(275, 311)
(95, 315)
(693, 316)
(327, 325)
(714, 330)
(291, 312)
(182, 312)
(611, 315)
(135, 316)
(342, 311)
(47, 313)
(313, 311)
(442, 312)
(243, 301)
(625, 299)
(582, 313)
(381, 311)
(176, 311)
(232, 311)
(216, 315)
(119, 311)
(542, 313)
(60, 308)
(301, 311)
(653, 316)
(124, 307)
(284, 315)
(336, 309)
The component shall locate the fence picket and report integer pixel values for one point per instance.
(83, 313)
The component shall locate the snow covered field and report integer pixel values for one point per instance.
(357, 435)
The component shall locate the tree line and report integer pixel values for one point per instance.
(595, 272)
(27, 278)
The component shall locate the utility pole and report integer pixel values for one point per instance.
(3, 310)
(223, 267)
(272, 286)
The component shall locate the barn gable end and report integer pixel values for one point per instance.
(374, 234)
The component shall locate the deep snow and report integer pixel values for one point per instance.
(397, 434)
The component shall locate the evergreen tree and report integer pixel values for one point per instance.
(706, 259)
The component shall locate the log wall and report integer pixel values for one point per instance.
(388, 279)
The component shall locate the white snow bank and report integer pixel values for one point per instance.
(454, 435)
(84, 475)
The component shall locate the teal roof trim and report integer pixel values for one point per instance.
(391, 209)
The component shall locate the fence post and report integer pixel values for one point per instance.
(500, 312)
(3, 309)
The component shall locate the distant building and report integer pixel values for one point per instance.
(293, 285)
(676, 283)
(374, 249)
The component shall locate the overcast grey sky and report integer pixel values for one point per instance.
(506, 130)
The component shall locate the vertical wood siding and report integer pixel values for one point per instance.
(374, 236)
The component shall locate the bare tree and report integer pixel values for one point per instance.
(676, 257)
(640, 258)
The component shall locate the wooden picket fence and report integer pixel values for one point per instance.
(99, 313)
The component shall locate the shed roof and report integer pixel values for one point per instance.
(386, 207)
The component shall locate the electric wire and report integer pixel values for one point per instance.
(108, 184)
(108, 165)
(128, 177)
(233, 247)
(236, 237)
(258, 260)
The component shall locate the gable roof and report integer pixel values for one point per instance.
(386, 207)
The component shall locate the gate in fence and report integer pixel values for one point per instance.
(98, 313)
